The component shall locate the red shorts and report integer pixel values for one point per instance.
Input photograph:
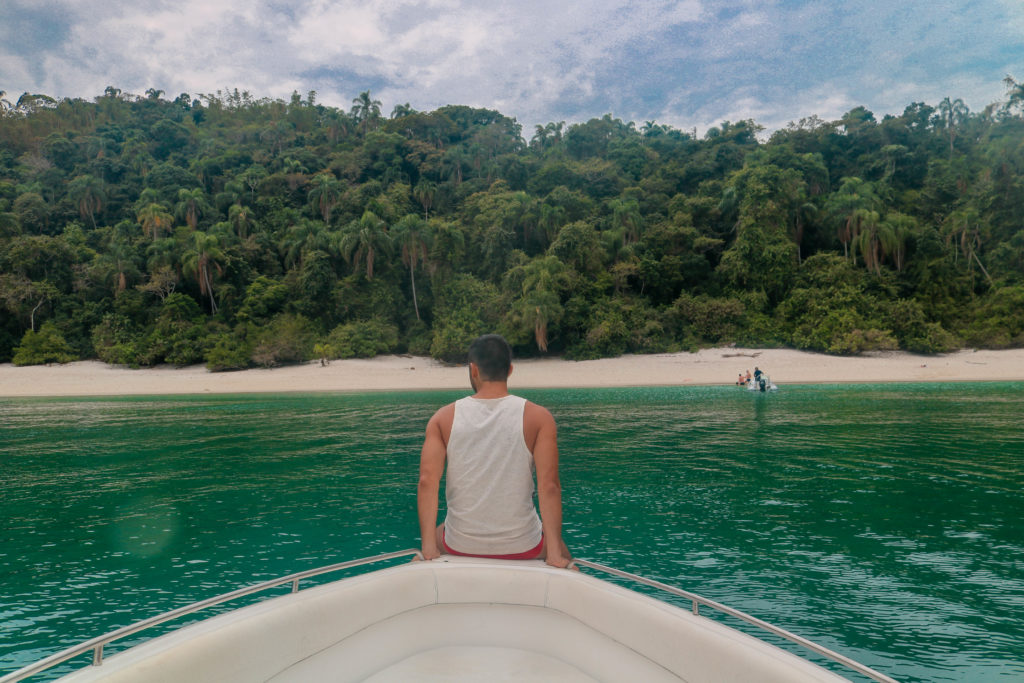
(531, 554)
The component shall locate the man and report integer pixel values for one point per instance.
(491, 443)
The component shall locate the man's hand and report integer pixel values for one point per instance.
(431, 553)
(559, 561)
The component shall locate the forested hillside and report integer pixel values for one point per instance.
(237, 231)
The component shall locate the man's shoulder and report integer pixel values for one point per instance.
(444, 412)
(441, 422)
(537, 413)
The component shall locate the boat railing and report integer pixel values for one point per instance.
(696, 601)
(97, 644)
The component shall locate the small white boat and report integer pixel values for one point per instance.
(766, 384)
(452, 619)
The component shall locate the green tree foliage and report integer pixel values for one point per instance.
(413, 237)
(45, 346)
(361, 339)
(363, 240)
(287, 339)
(466, 308)
(240, 231)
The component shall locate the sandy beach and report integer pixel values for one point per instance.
(708, 366)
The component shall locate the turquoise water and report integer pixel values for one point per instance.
(883, 521)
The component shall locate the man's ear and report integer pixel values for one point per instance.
(510, 369)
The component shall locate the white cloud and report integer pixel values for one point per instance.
(682, 62)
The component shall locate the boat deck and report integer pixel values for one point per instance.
(461, 619)
(475, 642)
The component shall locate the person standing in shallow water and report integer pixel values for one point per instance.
(491, 443)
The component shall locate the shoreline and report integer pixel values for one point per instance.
(714, 366)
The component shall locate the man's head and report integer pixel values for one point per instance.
(492, 356)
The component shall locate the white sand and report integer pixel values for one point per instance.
(708, 366)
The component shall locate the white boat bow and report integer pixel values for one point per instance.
(452, 619)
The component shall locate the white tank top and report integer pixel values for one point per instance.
(489, 487)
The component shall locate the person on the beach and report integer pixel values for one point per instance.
(740, 381)
(747, 378)
(757, 374)
(491, 443)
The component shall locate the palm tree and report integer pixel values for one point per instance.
(453, 163)
(899, 228)
(401, 110)
(424, 193)
(540, 304)
(626, 217)
(852, 196)
(87, 193)
(550, 218)
(117, 262)
(952, 115)
(364, 239)
(295, 172)
(325, 194)
(201, 260)
(303, 236)
(241, 219)
(191, 206)
(231, 194)
(337, 123)
(154, 220)
(869, 238)
(802, 214)
(540, 137)
(448, 247)
(164, 253)
(964, 224)
(413, 238)
(365, 110)
(547, 135)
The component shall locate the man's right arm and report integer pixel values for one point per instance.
(432, 457)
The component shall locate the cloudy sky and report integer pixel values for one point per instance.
(687, 63)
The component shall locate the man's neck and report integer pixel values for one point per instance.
(491, 390)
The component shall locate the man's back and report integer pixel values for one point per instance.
(489, 487)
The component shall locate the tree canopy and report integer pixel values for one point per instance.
(241, 231)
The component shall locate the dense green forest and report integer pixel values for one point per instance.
(234, 231)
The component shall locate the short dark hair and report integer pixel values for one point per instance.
(492, 354)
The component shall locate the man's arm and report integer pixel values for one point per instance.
(432, 458)
(549, 486)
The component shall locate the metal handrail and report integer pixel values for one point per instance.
(96, 644)
(697, 601)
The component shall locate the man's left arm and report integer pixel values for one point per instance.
(549, 486)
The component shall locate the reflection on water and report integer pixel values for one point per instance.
(881, 521)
